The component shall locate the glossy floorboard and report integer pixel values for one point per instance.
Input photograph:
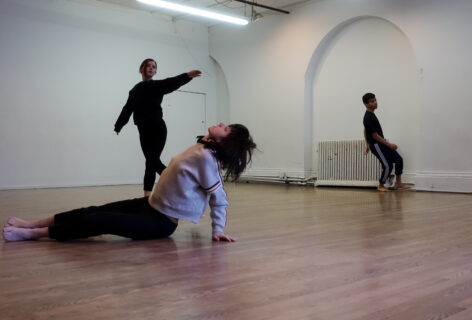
(302, 253)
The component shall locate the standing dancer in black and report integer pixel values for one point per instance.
(145, 102)
(380, 147)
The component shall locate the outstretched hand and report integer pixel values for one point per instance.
(194, 73)
(222, 237)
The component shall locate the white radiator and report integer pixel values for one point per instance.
(343, 163)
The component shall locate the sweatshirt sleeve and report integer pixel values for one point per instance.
(212, 182)
(218, 205)
(171, 84)
(125, 113)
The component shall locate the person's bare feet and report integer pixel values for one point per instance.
(147, 193)
(383, 189)
(19, 223)
(401, 186)
(19, 234)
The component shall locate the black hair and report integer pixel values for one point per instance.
(367, 97)
(234, 152)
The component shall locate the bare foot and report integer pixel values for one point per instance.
(19, 223)
(401, 186)
(19, 234)
(382, 189)
(147, 193)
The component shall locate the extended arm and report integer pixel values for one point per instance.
(171, 84)
(218, 205)
(212, 183)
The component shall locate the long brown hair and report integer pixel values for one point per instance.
(234, 152)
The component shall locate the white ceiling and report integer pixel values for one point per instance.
(223, 6)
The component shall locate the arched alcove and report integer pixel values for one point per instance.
(363, 54)
(221, 94)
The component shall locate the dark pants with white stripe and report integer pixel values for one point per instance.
(387, 158)
(134, 219)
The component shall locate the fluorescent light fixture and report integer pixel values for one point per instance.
(195, 11)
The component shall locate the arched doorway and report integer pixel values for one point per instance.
(363, 54)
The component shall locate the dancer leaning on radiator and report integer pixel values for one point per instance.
(191, 182)
(145, 102)
(380, 147)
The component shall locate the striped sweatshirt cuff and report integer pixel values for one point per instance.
(213, 187)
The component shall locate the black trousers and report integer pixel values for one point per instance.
(153, 139)
(134, 219)
(387, 158)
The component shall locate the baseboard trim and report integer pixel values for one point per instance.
(274, 173)
(444, 181)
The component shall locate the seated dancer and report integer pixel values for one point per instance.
(191, 182)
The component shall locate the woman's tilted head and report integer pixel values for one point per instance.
(218, 132)
(233, 146)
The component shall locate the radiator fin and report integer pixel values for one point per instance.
(343, 163)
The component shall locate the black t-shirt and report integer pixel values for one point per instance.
(372, 125)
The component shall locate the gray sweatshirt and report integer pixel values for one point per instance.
(191, 182)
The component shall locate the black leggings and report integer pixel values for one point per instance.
(153, 139)
(134, 219)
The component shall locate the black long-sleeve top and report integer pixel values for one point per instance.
(145, 100)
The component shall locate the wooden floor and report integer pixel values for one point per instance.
(302, 253)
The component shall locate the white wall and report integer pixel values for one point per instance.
(222, 95)
(66, 69)
(368, 54)
(266, 64)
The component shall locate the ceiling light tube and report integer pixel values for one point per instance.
(195, 11)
